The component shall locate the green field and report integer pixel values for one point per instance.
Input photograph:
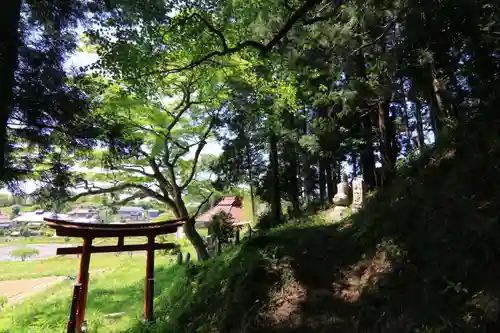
(116, 286)
(59, 266)
(35, 240)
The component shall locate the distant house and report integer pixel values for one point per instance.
(229, 204)
(132, 213)
(34, 219)
(153, 213)
(83, 212)
(84, 215)
(5, 222)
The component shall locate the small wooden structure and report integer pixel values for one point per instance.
(89, 231)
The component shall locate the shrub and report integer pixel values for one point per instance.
(23, 253)
(25, 232)
(265, 221)
(222, 226)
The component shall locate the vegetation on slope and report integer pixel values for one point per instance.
(422, 257)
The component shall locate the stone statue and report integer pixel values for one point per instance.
(342, 198)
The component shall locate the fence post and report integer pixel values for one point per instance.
(219, 246)
(237, 237)
(179, 258)
(188, 258)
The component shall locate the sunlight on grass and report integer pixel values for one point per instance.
(120, 288)
(59, 266)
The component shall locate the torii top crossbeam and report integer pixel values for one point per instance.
(90, 230)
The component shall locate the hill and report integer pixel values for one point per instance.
(421, 257)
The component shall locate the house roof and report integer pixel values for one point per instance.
(37, 217)
(83, 211)
(230, 205)
(126, 209)
(85, 220)
(4, 219)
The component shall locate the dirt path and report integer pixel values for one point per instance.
(17, 290)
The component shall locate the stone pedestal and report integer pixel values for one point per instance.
(337, 214)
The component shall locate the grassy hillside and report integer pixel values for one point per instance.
(422, 257)
(115, 301)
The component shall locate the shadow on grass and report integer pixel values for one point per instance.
(423, 256)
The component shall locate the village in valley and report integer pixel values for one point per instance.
(28, 242)
(21, 224)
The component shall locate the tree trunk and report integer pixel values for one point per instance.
(338, 174)
(435, 104)
(274, 186)
(387, 136)
(250, 181)
(305, 166)
(9, 42)
(354, 161)
(195, 239)
(293, 186)
(291, 170)
(420, 125)
(329, 182)
(408, 129)
(367, 157)
(190, 229)
(322, 182)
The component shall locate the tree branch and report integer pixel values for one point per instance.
(214, 30)
(200, 147)
(142, 172)
(159, 176)
(322, 18)
(297, 15)
(201, 205)
(149, 192)
(387, 27)
(136, 195)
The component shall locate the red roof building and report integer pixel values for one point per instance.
(231, 205)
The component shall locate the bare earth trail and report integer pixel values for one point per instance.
(17, 290)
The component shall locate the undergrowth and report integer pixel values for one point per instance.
(422, 256)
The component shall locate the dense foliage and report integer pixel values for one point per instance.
(294, 91)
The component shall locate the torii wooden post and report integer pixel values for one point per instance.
(150, 282)
(83, 281)
(90, 231)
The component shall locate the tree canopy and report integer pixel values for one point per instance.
(295, 92)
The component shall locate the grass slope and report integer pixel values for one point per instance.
(58, 266)
(422, 257)
(118, 288)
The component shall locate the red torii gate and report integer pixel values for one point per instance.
(88, 232)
